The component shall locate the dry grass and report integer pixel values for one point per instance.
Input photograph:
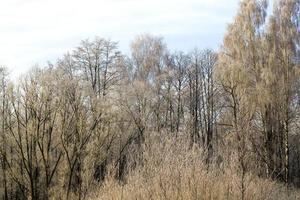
(172, 171)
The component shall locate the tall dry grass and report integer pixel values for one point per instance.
(171, 170)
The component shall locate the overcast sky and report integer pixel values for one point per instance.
(35, 31)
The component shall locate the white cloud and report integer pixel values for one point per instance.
(34, 31)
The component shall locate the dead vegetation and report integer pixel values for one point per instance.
(170, 170)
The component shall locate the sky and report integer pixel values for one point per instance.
(33, 32)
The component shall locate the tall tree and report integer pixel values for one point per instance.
(280, 79)
(239, 71)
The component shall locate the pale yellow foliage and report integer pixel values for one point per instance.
(173, 171)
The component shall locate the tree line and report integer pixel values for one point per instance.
(66, 126)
